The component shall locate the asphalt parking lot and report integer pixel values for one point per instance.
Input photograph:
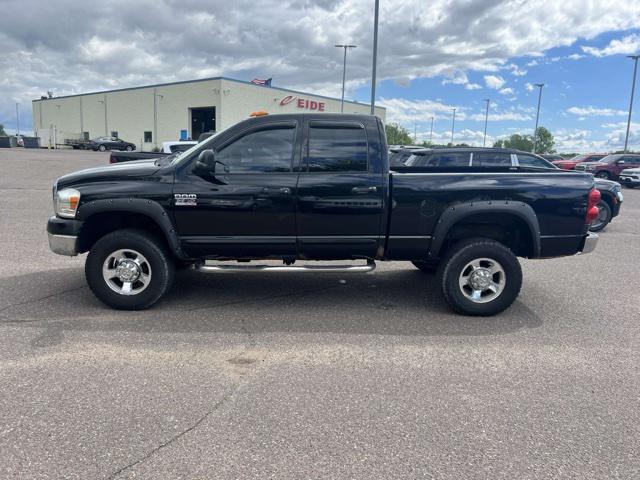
(312, 375)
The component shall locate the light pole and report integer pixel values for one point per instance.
(104, 102)
(375, 58)
(486, 120)
(344, 71)
(535, 130)
(453, 125)
(17, 118)
(633, 88)
(431, 132)
(415, 133)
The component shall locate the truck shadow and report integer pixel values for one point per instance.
(388, 302)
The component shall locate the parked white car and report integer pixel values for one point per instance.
(181, 146)
(630, 177)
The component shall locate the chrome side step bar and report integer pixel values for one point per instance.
(369, 267)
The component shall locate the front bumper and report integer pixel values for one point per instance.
(590, 243)
(63, 235)
(63, 244)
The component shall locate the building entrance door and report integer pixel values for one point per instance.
(203, 120)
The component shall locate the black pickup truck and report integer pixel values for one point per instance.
(316, 187)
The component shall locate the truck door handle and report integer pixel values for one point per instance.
(280, 190)
(363, 190)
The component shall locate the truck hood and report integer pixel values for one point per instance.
(111, 173)
(602, 184)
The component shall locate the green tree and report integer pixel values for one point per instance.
(397, 134)
(545, 141)
(517, 141)
(2, 132)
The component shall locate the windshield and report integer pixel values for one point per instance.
(175, 156)
(609, 159)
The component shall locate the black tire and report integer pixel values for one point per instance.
(603, 174)
(161, 267)
(102, 148)
(425, 267)
(604, 217)
(455, 262)
(128, 149)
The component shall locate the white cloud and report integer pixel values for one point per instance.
(473, 86)
(494, 81)
(406, 112)
(575, 56)
(590, 111)
(624, 46)
(507, 91)
(292, 41)
(529, 87)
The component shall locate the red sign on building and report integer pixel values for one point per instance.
(303, 103)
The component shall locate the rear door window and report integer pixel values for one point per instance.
(491, 159)
(535, 162)
(337, 148)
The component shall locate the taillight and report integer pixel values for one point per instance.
(592, 209)
(112, 159)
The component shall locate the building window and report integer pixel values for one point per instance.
(148, 138)
(85, 136)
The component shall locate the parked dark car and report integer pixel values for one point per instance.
(109, 143)
(484, 158)
(552, 157)
(611, 193)
(609, 204)
(319, 187)
(610, 166)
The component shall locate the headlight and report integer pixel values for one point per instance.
(66, 202)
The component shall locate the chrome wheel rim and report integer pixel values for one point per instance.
(482, 280)
(126, 272)
(602, 216)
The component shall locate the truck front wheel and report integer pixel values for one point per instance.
(480, 277)
(129, 270)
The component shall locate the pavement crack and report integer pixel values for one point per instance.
(39, 299)
(178, 436)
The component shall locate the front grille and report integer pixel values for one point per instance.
(581, 167)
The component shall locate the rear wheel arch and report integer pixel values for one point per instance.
(514, 224)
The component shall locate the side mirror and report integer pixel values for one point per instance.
(205, 164)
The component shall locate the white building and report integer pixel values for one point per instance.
(149, 115)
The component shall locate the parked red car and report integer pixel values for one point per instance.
(571, 163)
(610, 166)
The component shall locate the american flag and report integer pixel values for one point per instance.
(260, 81)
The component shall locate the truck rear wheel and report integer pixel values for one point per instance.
(480, 277)
(129, 270)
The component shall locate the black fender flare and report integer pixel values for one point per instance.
(454, 213)
(142, 206)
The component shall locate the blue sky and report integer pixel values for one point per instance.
(433, 56)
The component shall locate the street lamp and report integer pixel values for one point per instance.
(453, 125)
(486, 120)
(633, 88)
(344, 71)
(431, 132)
(104, 102)
(535, 130)
(17, 118)
(375, 58)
